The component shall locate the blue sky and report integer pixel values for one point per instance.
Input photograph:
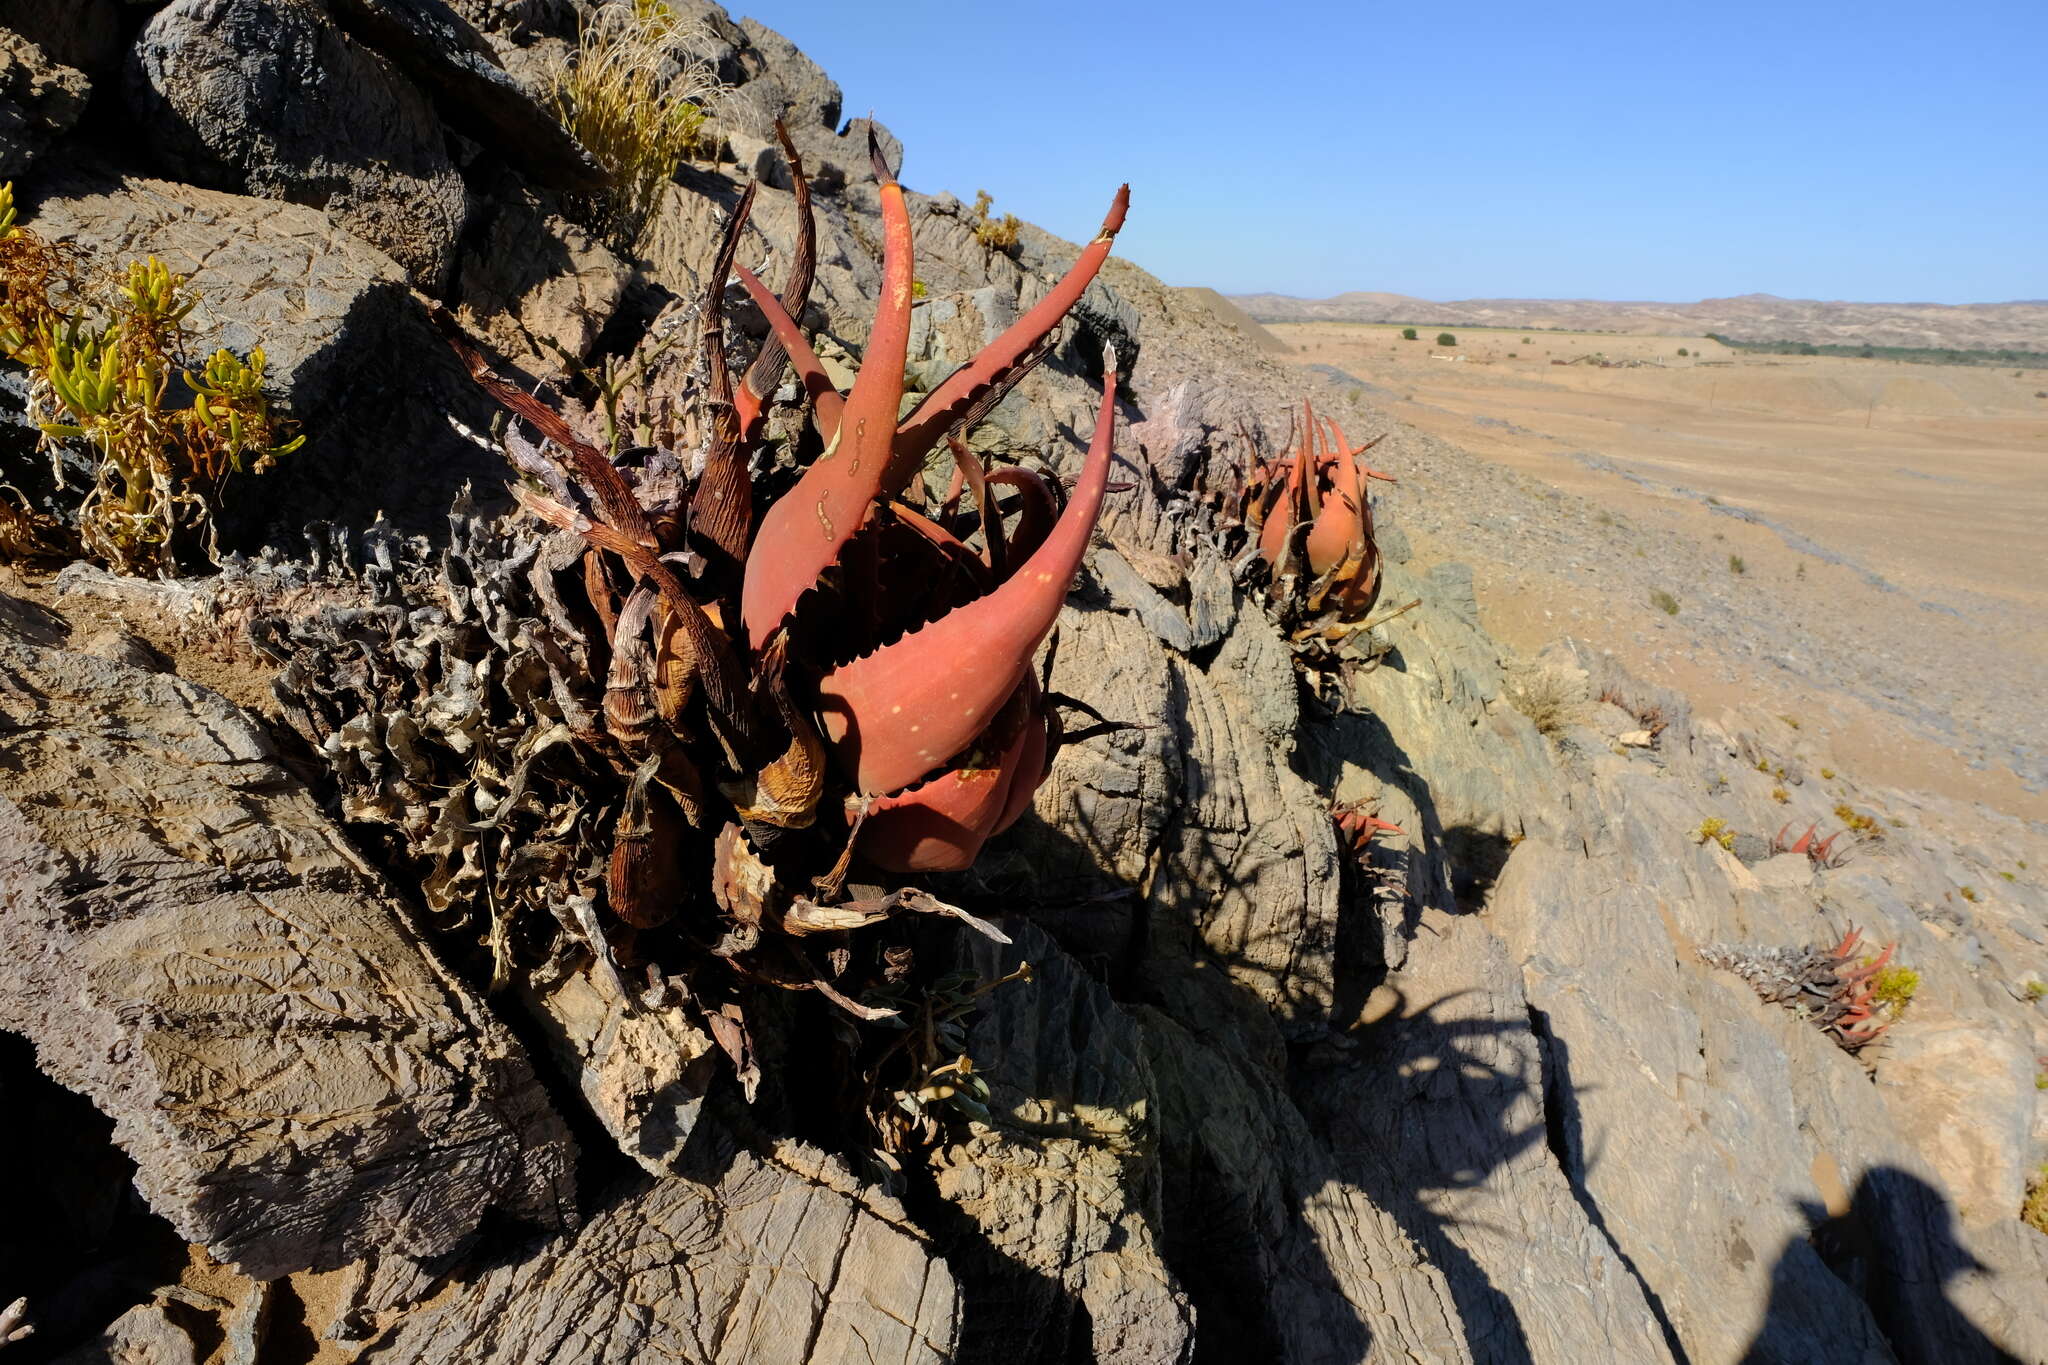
(1650, 150)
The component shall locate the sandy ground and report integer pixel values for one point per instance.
(1890, 523)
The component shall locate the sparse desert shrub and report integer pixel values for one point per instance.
(2036, 990)
(1780, 795)
(1893, 988)
(634, 92)
(1791, 721)
(107, 380)
(1716, 829)
(1683, 352)
(1408, 334)
(2034, 1211)
(1554, 699)
(997, 234)
(1664, 601)
(1864, 826)
(1827, 774)
(1736, 566)
(1525, 341)
(1446, 339)
(1968, 893)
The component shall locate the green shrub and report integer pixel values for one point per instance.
(101, 375)
(1735, 564)
(1682, 351)
(1894, 987)
(1664, 601)
(1716, 829)
(1407, 334)
(1446, 339)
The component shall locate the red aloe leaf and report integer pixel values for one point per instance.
(804, 531)
(898, 713)
(601, 478)
(826, 403)
(1038, 509)
(766, 372)
(940, 825)
(1033, 762)
(722, 509)
(968, 470)
(1339, 531)
(943, 407)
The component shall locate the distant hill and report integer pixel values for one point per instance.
(1230, 315)
(1747, 317)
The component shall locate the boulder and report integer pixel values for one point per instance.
(532, 282)
(786, 84)
(1058, 1192)
(450, 60)
(350, 351)
(270, 98)
(144, 1335)
(40, 100)
(189, 942)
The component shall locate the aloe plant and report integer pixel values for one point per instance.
(832, 660)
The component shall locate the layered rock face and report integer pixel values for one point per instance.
(1469, 1095)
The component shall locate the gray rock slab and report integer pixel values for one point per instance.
(190, 944)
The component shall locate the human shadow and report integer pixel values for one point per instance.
(1895, 1247)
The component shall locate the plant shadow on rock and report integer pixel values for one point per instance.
(1247, 1153)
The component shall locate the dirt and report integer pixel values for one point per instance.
(1853, 542)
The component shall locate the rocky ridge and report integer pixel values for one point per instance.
(1470, 1097)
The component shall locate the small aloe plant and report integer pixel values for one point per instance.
(1821, 852)
(1313, 521)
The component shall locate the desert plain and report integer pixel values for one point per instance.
(1858, 542)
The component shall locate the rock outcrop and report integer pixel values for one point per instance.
(270, 98)
(1466, 1094)
(40, 100)
(187, 940)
